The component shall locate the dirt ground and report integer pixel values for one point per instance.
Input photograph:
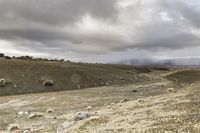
(164, 104)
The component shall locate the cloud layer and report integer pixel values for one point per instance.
(100, 30)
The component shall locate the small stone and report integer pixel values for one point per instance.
(17, 131)
(170, 90)
(112, 104)
(66, 125)
(107, 84)
(35, 114)
(26, 131)
(124, 100)
(26, 113)
(20, 113)
(13, 126)
(121, 78)
(89, 108)
(140, 100)
(134, 91)
(49, 111)
(14, 86)
(119, 105)
(108, 107)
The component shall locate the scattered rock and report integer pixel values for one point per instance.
(26, 131)
(99, 78)
(140, 100)
(2, 82)
(135, 91)
(66, 125)
(14, 86)
(121, 78)
(34, 115)
(89, 108)
(48, 111)
(17, 131)
(170, 90)
(102, 83)
(107, 84)
(119, 105)
(81, 116)
(13, 126)
(108, 107)
(22, 113)
(124, 100)
(112, 104)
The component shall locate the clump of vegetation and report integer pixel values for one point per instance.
(25, 57)
(30, 58)
(2, 55)
(8, 57)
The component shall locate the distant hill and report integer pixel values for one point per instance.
(163, 62)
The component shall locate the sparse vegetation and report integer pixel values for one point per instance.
(2, 55)
(124, 98)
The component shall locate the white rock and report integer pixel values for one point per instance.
(108, 107)
(66, 125)
(26, 113)
(26, 131)
(89, 108)
(81, 116)
(20, 113)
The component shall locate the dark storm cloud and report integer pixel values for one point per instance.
(99, 29)
(56, 11)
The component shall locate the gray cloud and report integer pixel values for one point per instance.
(99, 30)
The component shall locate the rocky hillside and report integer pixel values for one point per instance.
(29, 76)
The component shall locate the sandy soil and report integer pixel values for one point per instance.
(147, 108)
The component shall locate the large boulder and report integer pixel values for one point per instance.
(81, 116)
(48, 83)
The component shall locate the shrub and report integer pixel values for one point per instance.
(2, 55)
(7, 58)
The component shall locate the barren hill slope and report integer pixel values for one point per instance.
(23, 76)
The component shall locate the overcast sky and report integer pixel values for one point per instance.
(100, 30)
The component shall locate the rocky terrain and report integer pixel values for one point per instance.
(139, 100)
